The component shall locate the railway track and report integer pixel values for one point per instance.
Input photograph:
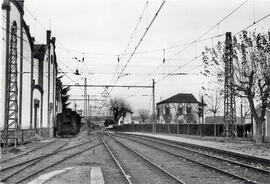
(245, 159)
(33, 155)
(38, 165)
(236, 169)
(135, 167)
(28, 152)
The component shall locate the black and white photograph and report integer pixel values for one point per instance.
(135, 92)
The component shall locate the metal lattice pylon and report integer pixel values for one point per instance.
(11, 114)
(229, 90)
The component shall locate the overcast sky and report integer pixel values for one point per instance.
(101, 29)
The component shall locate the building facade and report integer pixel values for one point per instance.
(180, 108)
(28, 75)
(127, 119)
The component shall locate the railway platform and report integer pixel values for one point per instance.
(242, 148)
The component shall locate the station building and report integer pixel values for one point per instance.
(28, 75)
(181, 108)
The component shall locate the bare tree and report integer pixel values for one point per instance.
(144, 114)
(119, 108)
(251, 59)
(214, 101)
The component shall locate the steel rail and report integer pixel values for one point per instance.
(203, 164)
(59, 161)
(149, 161)
(46, 155)
(207, 155)
(26, 153)
(36, 160)
(126, 176)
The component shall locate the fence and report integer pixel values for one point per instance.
(188, 129)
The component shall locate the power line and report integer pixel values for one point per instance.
(202, 35)
(255, 22)
(136, 47)
(36, 19)
(136, 27)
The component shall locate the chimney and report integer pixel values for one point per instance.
(48, 37)
(6, 5)
(53, 40)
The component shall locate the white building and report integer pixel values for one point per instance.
(127, 119)
(36, 70)
(180, 108)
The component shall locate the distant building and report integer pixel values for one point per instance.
(180, 108)
(127, 119)
(136, 120)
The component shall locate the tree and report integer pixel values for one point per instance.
(62, 93)
(144, 114)
(214, 101)
(119, 108)
(251, 60)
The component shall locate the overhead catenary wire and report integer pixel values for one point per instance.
(158, 50)
(136, 47)
(202, 35)
(255, 22)
(136, 27)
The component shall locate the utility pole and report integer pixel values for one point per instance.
(88, 105)
(11, 94)
(153, 107)
(229, 92)
(85, 98)
(202, 110)
(6, 7)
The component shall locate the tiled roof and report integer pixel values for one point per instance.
(180, 98)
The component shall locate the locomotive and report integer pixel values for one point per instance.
(68, 123)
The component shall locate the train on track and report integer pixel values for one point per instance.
(68, 123)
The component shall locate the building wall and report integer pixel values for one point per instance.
(15, 15)
(49, 110)
(36, 100)
(26, 83)
(3, 72)
(29, 70)
(174, 113)
(45, 90)
(37, 96)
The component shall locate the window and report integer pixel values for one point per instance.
(180, 111)
(189, 109)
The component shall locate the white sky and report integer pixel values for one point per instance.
(102, 28)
